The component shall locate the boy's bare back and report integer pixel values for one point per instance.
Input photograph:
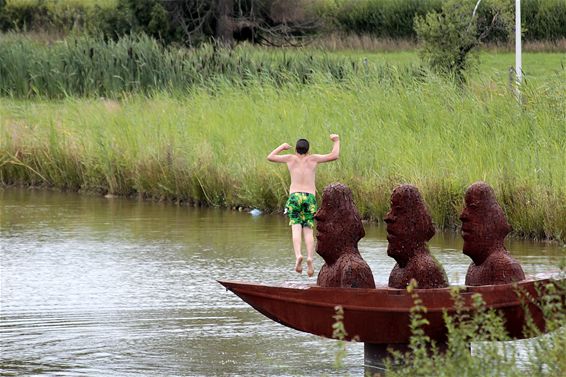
(302, 167)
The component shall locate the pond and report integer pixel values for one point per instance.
(96, 286)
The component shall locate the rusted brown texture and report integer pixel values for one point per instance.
(339, 228)
(484, 228)
(383, 315)
(409, 227)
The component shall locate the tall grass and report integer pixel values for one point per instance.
(93, 67)
(209, 147)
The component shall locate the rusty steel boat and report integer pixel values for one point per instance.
(382, 315)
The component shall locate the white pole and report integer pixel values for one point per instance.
(518, 62)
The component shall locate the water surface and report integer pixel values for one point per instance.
(95, 286)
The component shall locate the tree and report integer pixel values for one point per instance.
(269, 22)
(450, 37)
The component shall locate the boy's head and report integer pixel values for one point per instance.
(302, 146)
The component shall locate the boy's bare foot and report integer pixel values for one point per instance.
(310, 268)
(299, 265)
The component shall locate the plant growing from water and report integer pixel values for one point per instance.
(339, 333)
(491, 351)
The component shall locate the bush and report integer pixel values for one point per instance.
(450, 36)
(380, 18)
(542, 19)
(3, 18)
(64, 17)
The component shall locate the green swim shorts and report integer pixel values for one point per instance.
(301, 207)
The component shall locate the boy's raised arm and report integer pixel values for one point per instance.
(274, 155)
(332, 155)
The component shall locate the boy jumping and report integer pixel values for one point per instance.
(301, 205)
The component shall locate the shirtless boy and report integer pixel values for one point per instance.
(301, 205)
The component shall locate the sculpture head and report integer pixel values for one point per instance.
(338, 223)
(484, 226)
(409, 225)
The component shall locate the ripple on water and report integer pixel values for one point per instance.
(96, 287)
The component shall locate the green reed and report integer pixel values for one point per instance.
(93, 67)
(208, 146)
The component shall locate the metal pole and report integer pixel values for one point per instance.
(518, 62)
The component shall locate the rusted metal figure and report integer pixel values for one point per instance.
(484, 228)
(409, 227)
(339, 228)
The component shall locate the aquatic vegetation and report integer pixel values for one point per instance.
(491, 348)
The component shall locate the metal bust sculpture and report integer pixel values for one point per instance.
(339, 228)
(484, 228)
(409, 227)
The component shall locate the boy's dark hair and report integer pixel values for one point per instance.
(302, 146)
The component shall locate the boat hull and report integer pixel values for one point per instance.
(382, 315)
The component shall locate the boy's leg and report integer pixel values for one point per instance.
(309, 242)
(296, 231)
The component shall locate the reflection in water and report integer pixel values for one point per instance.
(91, 286)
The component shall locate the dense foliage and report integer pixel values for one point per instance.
(179, 20)
(450, 36)
(380, 18)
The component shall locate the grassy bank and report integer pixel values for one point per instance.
(210, 146)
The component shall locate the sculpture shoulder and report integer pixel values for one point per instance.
(424, 264)
(425, 270)
(355, 272)
(502, 260)
(506, 268)
(498, 268)
(398, 277)
(432, 274)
